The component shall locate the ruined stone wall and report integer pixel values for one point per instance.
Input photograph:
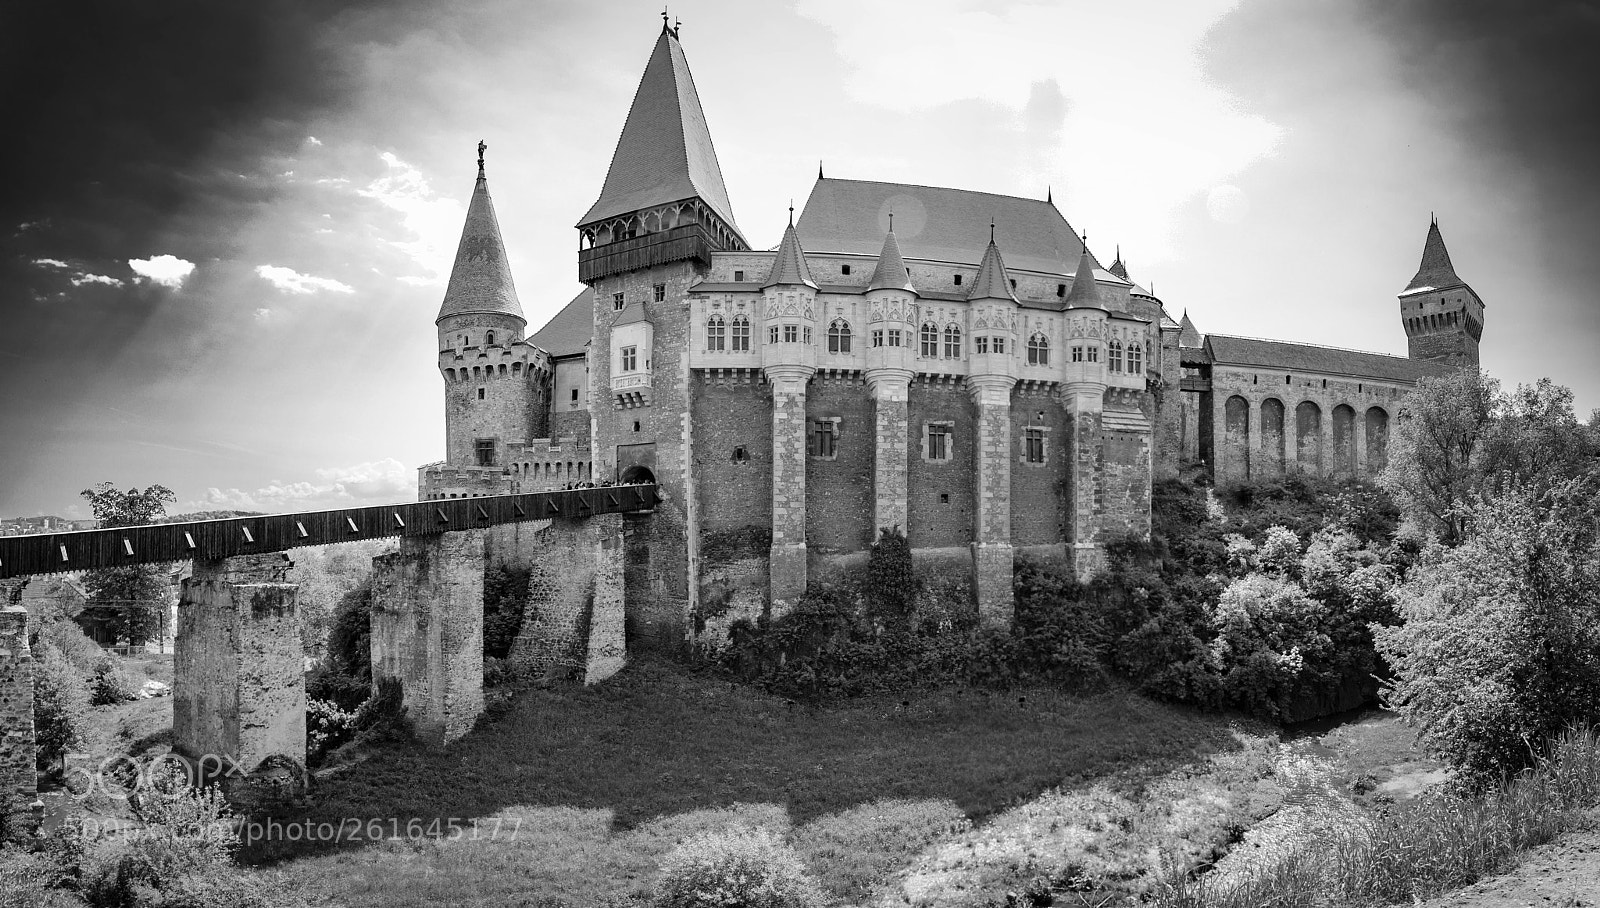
(18, 788)
(940, 500)
(427, 629)
(576, 584)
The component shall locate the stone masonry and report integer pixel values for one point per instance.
(573, 625)
(239, 698)
(890, 389)
(788, 556)
(19, 792)
(427, 630)
(992, 552)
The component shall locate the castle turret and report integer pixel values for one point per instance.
(490, 391)
(891, 324)
(1083, 395)
(788, 359)
(991, 375)
(1443, 317)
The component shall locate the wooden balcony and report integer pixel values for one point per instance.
(688, 241)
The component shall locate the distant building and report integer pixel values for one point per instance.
(953, 363)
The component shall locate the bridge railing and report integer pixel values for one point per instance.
(56, 553)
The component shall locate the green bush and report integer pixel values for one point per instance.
(31, 880)
(505, 597)
(740, 866)
(111, 683)
(350, 633)
(60, 707)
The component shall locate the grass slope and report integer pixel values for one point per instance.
(605, 780)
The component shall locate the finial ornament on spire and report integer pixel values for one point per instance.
(791, 212)
(482, 147)
(891, 220)
(991, 229)
(819, 168)
(1049, 198)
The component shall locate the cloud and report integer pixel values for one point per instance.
(166, 270)
(375, 482)
(290, 281)
(50, 263)
(86, 278)
(434, 221)
(313, 140)
(263, 315)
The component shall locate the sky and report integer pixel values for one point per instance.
(226, 228)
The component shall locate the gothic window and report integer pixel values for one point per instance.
(741, 334)
(999, 345)
(489, 340)
(1134, 365)
(661, 292)
(1094, 353)
(930, 340)
(630, 359)
(877, 337)
(952, 342)
(839, 336)
(1033, 445)
(894, 337)
(1114, 356)
(791, 333)
(824, 438)
(484, 449)
(980, 344)
(715, 331)
(937, 439)
(772, 334)
(1038, 350)
(1077, 354)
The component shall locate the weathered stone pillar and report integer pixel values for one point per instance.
(788, 553)
(892, 438)
(1358, 435)
(19, 791)
(1085, 451)
(1258, 456)
(574, 624)
(427, 630)
(992, 553)
(239, 697)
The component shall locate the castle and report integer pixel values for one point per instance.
(952, 363)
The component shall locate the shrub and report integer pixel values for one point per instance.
(111, 683)
(350, 634)
(505, 595)
(327, 726)
(740, 866)
(30, 880)
(890, 585)
(60, 707)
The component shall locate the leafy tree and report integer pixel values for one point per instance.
(1435, 462)
(128, 599)
(890, 584)
(1538, 440)
(1500, 645)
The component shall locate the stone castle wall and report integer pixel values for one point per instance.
(18, 786)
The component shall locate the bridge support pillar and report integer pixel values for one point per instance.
(239, 697)
(573, 625)
(19, 791)
(427, 630)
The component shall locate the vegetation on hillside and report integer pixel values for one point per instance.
(130, 601)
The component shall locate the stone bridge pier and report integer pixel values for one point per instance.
(239, 697)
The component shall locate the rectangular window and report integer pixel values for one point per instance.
(1077, 354)
(480, 394)
(1033, 445)
(845, 269)
(630, 358)
(1094, 354)
(616, 302)
(574, 395)
(894, 337)
(952, 345)
(930, 344)
(999, 345)
(741, 335)
(772, 334)
(791, 333)
(980, 344)
(738, 275)
(938, 441)
(484, 448)
(877, 337)
(805, 337)
(661, 293)
(824, 438)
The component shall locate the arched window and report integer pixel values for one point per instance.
(930, 340)
(839, 336)
(488, 339)
(1038, 350)
(952, 342)
(1114, 356)
(714, 334)
(741, 334)
(1134, 365)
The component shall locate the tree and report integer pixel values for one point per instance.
(1435, 463)
(1538, 440)
(128, 600)
(1499, 648)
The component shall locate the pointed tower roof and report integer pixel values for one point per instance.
(480, 281)
(1436, 272)
(1188, 335)
(993, 282)
(665, 152)
(1084, 293)
(789, 266)
(1118, 267)
(891, 271)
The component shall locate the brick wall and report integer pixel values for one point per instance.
(839, 492)
(1038, 490)
(940, 500)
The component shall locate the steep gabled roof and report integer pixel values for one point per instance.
(480, 280)
(993, 281)
(568, 332)
(937, 224)
(891, 271)
(665, 152)
(1189, 336)
(1084, 292)
(1119, 268)
(1435, 272)
(1281, 355)
(789, 265)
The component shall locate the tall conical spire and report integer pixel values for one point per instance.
(993, 282)
(1435, 272)
(1188, 334)
(789, 266)
(665, 153)
(1118, 267)
(891, 271)
(1084, 293)
(480, 281)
